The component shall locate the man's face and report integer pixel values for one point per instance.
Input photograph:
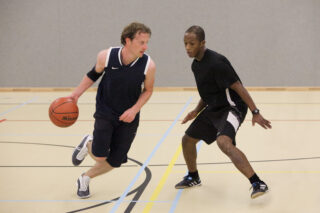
(192, 45)
(139, 44)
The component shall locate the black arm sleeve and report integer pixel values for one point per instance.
(93, 75)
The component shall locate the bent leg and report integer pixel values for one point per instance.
(190, 152)
(236, 156)
(101, 166)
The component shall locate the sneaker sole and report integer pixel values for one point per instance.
(84, 197)
(258, 194)
(75, 161)
(184, 187)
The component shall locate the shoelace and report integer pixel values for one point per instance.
(253, 186)
(83, 184)
(82, 153)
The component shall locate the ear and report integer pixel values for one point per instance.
(203, 43)
(128, 40)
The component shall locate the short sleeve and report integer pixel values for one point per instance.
(225, 75)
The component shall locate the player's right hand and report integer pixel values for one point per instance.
(191, 115)
(74, 97)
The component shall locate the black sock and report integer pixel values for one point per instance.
(254, 178)
(194, 174)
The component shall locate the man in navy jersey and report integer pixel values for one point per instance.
(219, 113)
(118, 102)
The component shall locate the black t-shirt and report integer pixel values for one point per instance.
(214, 75)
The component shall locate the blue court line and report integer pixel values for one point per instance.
(120, 200)
(176, 199)
(19, 106)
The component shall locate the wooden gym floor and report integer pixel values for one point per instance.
(37, 174)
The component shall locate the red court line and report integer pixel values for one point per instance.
(3, 120)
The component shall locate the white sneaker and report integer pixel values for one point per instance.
(83, 186)
(81, 151)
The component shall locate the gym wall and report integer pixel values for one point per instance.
(53, 43)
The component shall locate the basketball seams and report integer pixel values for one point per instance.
(57, 120)
(63, 114)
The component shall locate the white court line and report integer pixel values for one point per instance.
(19, 106)
(124, 194)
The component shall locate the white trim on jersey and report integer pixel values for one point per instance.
(229, 98)
(107, 58)
(233, 120)
(134, 62)
(119, 56)
(147, 65)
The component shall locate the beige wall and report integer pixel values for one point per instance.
(53, 43)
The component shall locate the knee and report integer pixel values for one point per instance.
(225, 144)
(101, 159)
(188, 141)
(185, 140)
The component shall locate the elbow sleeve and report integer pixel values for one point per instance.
(93, 75)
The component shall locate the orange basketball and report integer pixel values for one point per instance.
(63, 112)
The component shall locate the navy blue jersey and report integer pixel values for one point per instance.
(121, 85)
(214, 75)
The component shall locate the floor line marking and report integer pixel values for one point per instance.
(164, 178)
(80, 201)
(175, 201)
(262, 171)
(18, 106)
(124, 194)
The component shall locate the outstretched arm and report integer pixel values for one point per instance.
(129, 115)
(243, 93)
(87, 81)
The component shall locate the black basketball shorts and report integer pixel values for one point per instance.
(113, 138)
(207, 127)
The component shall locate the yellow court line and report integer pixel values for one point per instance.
(265, 171)
(164, 178)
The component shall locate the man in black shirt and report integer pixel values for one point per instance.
(219, 113)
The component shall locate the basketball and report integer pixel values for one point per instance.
(63, 112)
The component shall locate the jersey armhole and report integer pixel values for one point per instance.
(147, 66)
(107, 57)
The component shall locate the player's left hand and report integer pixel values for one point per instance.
(261, 121)
(128, 116)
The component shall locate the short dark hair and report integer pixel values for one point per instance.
(131, 30)
(198, 31)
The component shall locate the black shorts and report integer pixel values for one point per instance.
(208, 125)
(113, 138)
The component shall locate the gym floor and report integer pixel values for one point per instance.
(37, 174)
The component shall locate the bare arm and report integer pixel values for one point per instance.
(129, 115)
(191, 115)
(243, 93)
(86, 81)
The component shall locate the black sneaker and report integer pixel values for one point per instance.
(258, 189)
(188, 181)
(83, 187)
(81, 151)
